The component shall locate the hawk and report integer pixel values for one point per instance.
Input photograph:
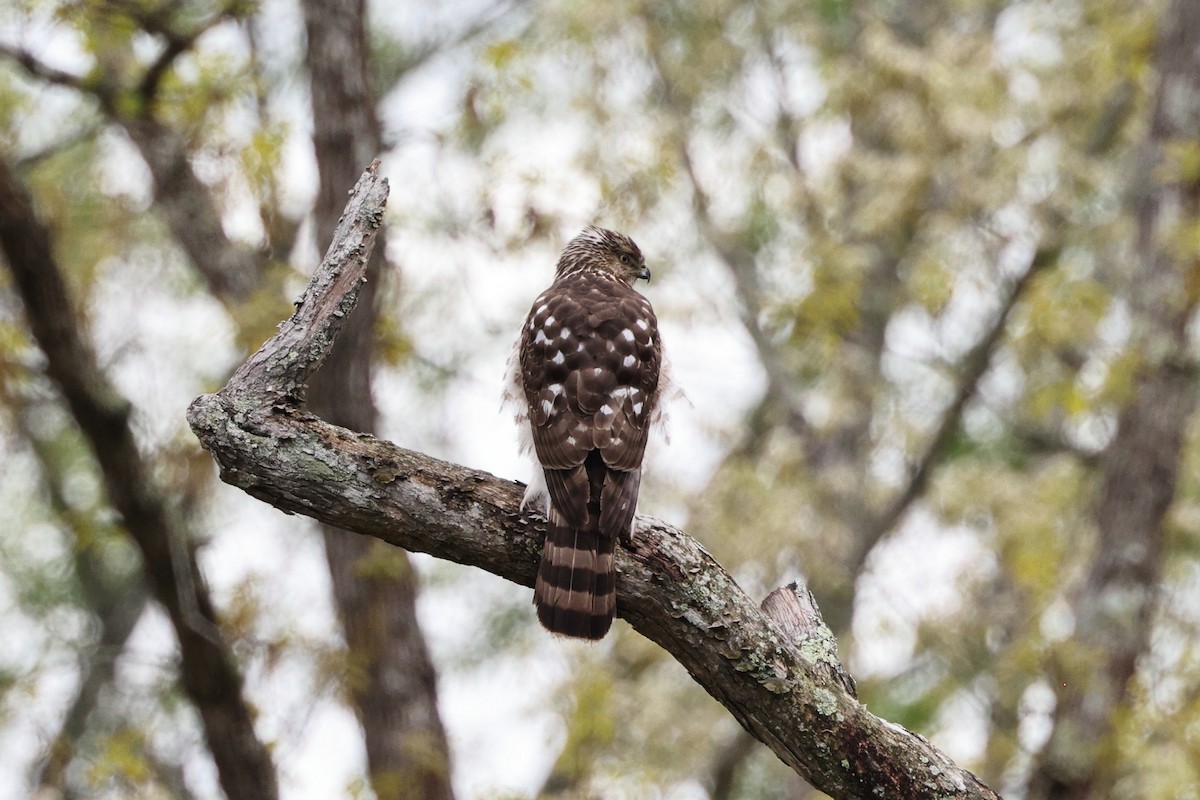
(585, 379)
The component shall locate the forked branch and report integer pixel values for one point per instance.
(782, 682)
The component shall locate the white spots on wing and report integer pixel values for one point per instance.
(609, 347)
(532, 323)
(615, 441)
(579, 347)
(558, 358)
(637, 409)
(555, 389)
(566, 333)
(641, 323)
(629, 361)
(540, 338)
(550, 320)
(571, 441)
(619, 392)
(627, 335)
(547, 407)
(581, 427)
(543, 308)
(606, 409)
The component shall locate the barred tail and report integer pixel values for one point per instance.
(576, 587)
(576, 591)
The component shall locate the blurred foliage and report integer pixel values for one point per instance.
(849, 191)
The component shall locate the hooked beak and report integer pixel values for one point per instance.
(645, 274)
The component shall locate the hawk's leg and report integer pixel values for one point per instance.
(626, 538)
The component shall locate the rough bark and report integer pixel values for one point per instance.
(671, 590)
(1113, 612)
(394, 689)
(207, 671)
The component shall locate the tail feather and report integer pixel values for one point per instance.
(576, 587)
(575, 592)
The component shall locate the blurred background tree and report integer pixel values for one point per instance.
(913, 266)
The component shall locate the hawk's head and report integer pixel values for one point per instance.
(606, 251)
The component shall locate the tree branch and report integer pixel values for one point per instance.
(43, 71)
(669, 588)
(973, 367)
(207, 670)
(231, 271)
(177, 42)
(116, 601)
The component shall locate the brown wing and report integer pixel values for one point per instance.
(589, 366)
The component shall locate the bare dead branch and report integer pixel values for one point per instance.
(207, 670)
(794, 610)
(671, 590)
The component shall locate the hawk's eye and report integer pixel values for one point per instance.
(625, 259)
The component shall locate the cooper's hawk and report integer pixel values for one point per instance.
(585, 379)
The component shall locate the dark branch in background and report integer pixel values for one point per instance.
(731, 755)
(780, 404)
(391, 69)
(670, 589)
(176, 42)
(230, 270)
(971, 369)
(169, 774)
(281, 229)
(1114, 611)
(739, 262)
(117, 601)
(42, 71)
(86, 131)
(781, 393)
(207, 670)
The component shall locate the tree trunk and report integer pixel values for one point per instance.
(375, 588)
(1113, 613)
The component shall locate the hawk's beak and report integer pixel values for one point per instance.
(644, 274)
